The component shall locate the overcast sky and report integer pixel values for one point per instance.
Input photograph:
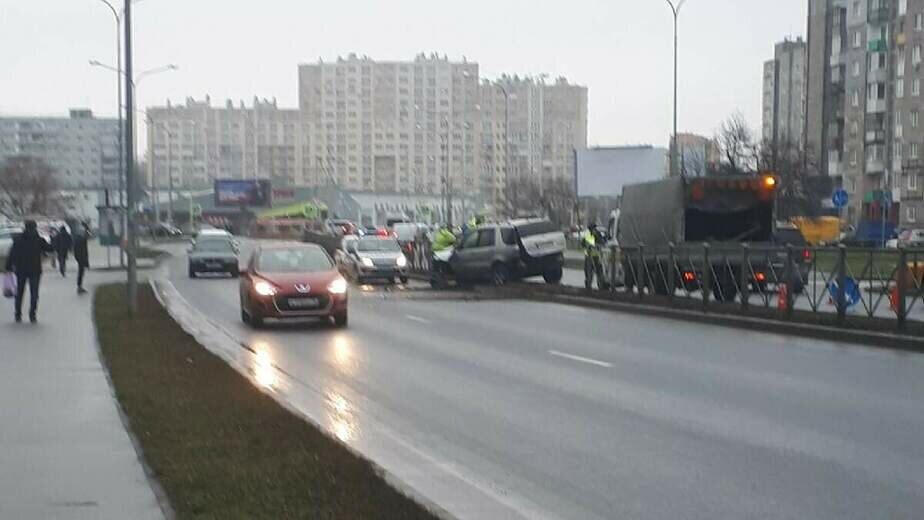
(619, 49)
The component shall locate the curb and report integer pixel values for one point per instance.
(160, 495)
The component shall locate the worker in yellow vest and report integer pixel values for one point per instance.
(591, 242)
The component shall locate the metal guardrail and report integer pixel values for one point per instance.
(874, 283)
(836, 283)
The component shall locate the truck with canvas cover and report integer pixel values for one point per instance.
(663, 226)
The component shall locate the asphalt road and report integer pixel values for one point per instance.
(561, 412)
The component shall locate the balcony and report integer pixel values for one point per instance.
(875, 106)
(875, 165)
(834, 168)
(879, 45)
(880, 75)
(878, 15)
(875, 136)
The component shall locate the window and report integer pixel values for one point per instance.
(900, 88)
(853, 157)
(857, 39)
(914, 118)
(902, 7)
(486, 238)
(854, 127)
(913, 153)
(912, 181)
(509, 236)
(916, 55)
(916, 87)
(856, 69)
(911, 213)
(471, 240)
(900, 66)
(856, 98)
(856, 9)
(919, 22)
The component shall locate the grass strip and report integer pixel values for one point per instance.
(219, 447)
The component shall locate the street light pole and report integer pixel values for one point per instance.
(130, 167)
(121, 175)
(675, 6)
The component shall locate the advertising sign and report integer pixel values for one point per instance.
(110, 226)
(251, 193)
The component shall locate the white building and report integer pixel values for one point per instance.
(82, 150)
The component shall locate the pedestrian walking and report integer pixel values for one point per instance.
(82, 255)
(25, 260)
(62, 243)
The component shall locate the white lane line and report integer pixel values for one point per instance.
(418, 319)
(581, 359)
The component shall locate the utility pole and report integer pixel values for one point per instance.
(130, 167)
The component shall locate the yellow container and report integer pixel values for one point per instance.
(820, 230)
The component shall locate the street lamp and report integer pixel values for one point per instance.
(675, 6)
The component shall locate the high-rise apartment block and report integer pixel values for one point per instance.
(82, 150)
(418, 126)
(864, 103)
(784, 93)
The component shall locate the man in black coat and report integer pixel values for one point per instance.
(81, 255)
(25, 259)
(62, 242)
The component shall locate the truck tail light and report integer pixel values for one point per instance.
(689, 276)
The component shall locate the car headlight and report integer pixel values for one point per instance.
(264, 288)
(402, 261)
(367, 262)
(338, 286)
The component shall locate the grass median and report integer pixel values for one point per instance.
(219, 447)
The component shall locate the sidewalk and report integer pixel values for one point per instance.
(64, 452)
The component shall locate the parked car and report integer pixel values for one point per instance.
(292, 281)
(213, 255)
(373, 258)
(6, 239)
(509, 251)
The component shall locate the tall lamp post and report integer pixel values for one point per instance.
(675, 6)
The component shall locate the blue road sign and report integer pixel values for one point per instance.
(840, 198)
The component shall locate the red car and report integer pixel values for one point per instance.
(286, 281)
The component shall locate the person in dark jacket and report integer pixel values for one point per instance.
(63, 242)
(25, 259)
(81, 255)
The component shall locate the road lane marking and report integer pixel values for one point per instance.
(418, 319)
(581, 359)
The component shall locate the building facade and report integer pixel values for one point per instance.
(784, 93)
(82, 150)
(699, 155)
(864, 103)
(425, 126)
(197, 143)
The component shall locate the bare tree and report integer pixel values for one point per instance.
(801, 189)
(27, 187)
(737, 146)
(554, 199)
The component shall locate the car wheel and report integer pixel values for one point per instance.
(500, 274)
(404, 279)
(341, 320)
(553, 277)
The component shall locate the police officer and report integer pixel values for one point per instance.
(591, 242)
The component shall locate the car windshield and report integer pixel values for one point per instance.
(374, 244)
(406, 231)
(295, 260)
(214, 246)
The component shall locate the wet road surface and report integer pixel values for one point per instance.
(561, 412)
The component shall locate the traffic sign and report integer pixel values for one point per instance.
(840, 198)
(886, 198)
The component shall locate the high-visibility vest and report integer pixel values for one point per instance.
(589, 242)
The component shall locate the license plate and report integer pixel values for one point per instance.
(303, 303)
(212, 265)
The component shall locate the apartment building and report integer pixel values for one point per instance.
(864, 103)
(423, 126)
(82, 150)
(196, 143)
(784, 93)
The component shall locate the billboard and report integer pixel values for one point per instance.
(236, 193)
(602, 172)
